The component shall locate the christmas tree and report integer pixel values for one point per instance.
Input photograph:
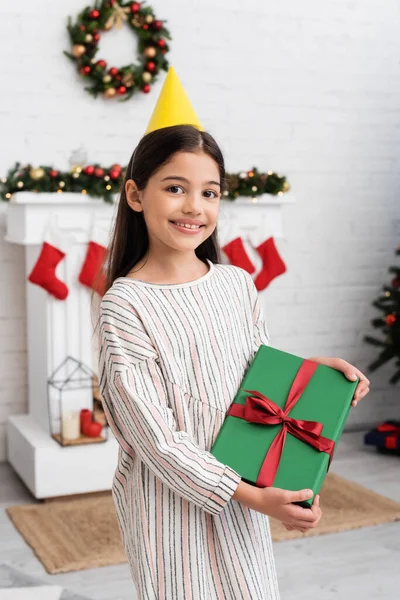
(389, 304)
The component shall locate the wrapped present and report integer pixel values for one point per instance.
(284, 422)
(386, 435)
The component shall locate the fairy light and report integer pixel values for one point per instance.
(108, 187)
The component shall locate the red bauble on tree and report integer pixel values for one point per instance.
(101, 63)
(82, 27)
(96, 37)
(157, 25)
(121, 90)
(145, 26)
(94, 14)
(53, 173)
(146, 88)
(150, 66)
(85, 70)
(114, 174)
(89, 170)
(113, 71)
(135, 7)
(161, 43)
(99, 172)
(390, 319)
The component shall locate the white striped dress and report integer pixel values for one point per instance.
(172, 357)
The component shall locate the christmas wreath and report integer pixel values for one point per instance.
(101, 182)
(123, 81)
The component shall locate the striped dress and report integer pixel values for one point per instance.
(172, 357)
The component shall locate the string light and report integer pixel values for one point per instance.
(108, 187)
(84, 192)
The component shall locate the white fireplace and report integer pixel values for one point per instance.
(60, 328)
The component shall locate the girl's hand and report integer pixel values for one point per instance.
(350, 372)
(278, 503)
(316, 509)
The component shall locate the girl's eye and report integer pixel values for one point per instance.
(173, 188)
(211, 192)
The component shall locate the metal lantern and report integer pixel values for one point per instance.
(71, 393)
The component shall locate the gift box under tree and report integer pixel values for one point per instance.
(283, 425)
(385, 436)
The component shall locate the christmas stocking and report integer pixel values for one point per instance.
(91, 273)
(272, 264)
(232, 245)
(55, 247)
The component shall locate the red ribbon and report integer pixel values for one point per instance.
(259, 409)
(388, 427)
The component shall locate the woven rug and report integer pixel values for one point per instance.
(71, 535)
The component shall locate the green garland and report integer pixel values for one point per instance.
(104, 182)
(123, 81)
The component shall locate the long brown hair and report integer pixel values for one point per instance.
(129, 239)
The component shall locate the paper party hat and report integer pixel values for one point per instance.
(173, 106)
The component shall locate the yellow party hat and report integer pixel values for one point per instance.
(173, 106)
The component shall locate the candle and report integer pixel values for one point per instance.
(70, 425)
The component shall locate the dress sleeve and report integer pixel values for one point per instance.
(260, 329)
(138, 411)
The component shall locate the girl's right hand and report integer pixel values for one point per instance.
(278, 503)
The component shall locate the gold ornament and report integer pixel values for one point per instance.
(78, 50)
(107, 78)
(107, 178)
(8, 195)
(110, 92)
(150, 52)
(88, 38)
(76, 170)
(146, 77)
(36, 174)
(20, 184)
(108, 187)
(149, 19)
(254, 188)
(128, 80)
(61, 184)
(285, 187)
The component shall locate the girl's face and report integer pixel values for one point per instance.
(186, 188)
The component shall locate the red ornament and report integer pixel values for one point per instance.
(161, 43)
(82, 27)
(157, 25)
(114, 174)
(96, 37)
(145, 26)
(99, 172)
(146, 88)
(121, 90)
(101, 63)
(150, 67)
(53, 173)
(94, 14)
(113, 71)
(163, 52)
(89, 170)
(135, 7)
(85, 70)
(390, 319)
(116, 167)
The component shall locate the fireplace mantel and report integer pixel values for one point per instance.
(56, 329)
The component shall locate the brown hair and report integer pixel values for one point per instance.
(130, 240)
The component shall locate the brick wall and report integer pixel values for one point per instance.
(306, 90)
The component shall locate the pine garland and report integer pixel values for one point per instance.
(389, 323)
(104, 182)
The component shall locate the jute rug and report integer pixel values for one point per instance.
(70, 535)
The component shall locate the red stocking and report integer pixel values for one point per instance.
(273, 265)
(44, 272)
(91, 273)
(234, 249)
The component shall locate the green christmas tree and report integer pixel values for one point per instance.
(389, 304)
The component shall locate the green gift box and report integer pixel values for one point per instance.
(284, 422)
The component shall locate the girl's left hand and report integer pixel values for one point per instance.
(350, 372)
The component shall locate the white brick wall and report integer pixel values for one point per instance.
(306, 89)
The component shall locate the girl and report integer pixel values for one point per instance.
(178, 331)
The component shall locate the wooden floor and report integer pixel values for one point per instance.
(361, 564)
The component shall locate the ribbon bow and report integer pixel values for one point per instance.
(118, 16)
(260, 409)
